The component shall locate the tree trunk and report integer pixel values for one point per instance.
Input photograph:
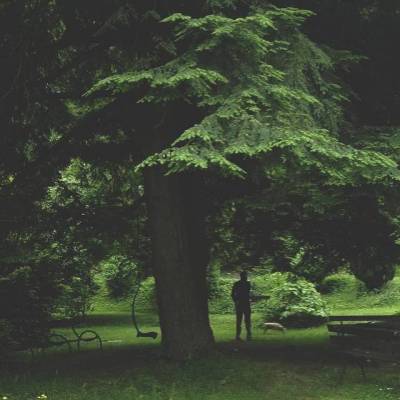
(180, 257)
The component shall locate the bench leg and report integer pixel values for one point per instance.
(95, 336)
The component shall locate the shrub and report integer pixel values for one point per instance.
(336, 283)
(76, 297)
(342, 282)
(221, 302)
(296, 303)
(119, 274)
(261, 284)
(264, 284)
(146, 299)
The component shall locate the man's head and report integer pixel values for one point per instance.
(243, 276)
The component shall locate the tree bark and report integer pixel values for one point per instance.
(180, 257)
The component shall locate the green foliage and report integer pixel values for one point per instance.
(339, 283)
(213, 279)
(221, 86)
(218, 5)
(221, 302)
(147, 299)
(344, 291)
(26, 303)
(119, 273)
(261, 284)
(300, 258)
(308, 231)
(76, 298)
(278, 98)
(296, 303)
(265, 283)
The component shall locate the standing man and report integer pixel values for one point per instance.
(241, 298)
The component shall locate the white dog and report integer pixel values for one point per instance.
(273, 326)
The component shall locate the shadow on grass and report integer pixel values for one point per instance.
(122, 350)
(299, 364)
(136, 356)
(90, 361)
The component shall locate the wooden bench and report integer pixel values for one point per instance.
(366, 340)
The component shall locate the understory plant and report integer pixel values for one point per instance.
(296, 303)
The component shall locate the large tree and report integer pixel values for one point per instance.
(182, 92)
(191, 113)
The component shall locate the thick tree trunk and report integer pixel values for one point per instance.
(180, 257)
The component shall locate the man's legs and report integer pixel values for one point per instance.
(247, 321)
(239, 317)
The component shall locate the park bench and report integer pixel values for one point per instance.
(79, 337)
(367, 340)
(56, 339)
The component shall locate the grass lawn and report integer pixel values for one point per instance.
(297, 365)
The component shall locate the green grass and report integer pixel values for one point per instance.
(296, 365)
(353, 298)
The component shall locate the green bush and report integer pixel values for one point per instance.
(261, 284)
(264, 284)
(119, 274)
(146, 299)
(337, 283)
(296, 303)
(76, 297)
(221, 301)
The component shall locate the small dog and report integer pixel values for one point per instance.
(273, 326)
